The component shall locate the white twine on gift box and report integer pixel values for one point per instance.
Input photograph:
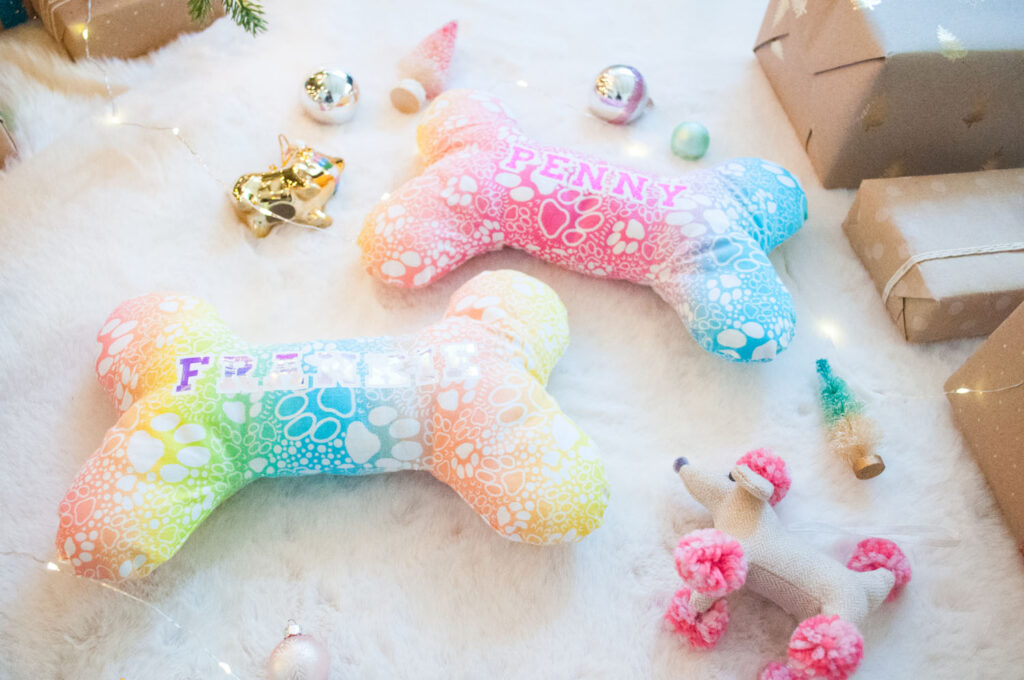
(945, 254)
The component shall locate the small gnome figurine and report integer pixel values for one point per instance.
(850, 432)
(425, 69)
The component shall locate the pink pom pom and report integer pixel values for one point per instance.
(879, 553)
(772, 468)
(776, 671)
(701, 630)
(711, 562)
(825, 647)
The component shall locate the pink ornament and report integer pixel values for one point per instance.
(424, 71)
(298, 657)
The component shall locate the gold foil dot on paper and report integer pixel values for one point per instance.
(977, 112)
(898, 168)
(993, 162)
(780, 11)
(952, 48)
(875, 112)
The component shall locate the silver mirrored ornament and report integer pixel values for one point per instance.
(619, 95)
(330, 95)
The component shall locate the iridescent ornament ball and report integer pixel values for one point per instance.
(299, 657)
(330, 95)
(619, 94)
(690, 140)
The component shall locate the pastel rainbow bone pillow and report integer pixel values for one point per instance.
(700, 240)
(203, 413)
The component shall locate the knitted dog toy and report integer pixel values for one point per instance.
(701, 240)
(203, 413)
(749, 545)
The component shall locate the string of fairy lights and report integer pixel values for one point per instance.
(825, 328)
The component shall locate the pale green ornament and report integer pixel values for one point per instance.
(690, 140)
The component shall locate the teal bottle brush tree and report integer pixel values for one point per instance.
(851, 433)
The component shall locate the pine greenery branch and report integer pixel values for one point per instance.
(246, 13)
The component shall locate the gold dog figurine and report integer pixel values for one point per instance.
(296, 193)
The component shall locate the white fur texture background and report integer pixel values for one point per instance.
(395, 573)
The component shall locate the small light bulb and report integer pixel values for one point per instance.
(636, 149)
(50, 566)
(962, 390)
(175, 131)
(830, 330)
(522, 83)
(385, 196)
(114, 118)
(85, 33)
(224, 667)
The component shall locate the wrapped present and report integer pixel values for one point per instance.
(885, 89)
(8, 149)
(946, 252)
(14, 12)
(987, 397)
(118, 28)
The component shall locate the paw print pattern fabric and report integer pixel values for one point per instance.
(700, 240)
(203, 413)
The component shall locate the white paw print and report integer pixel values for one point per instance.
(129, 379)
(468, 458)
(780, 175)
(490, 231)
(455, 122)
(625, 238)
(170, 333)
(659, 272)
(403, 428)
(514, 516)
(176, 303)
(733, 169)
(459, 190)
(507, 134)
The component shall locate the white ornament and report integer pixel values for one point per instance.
(298, 657)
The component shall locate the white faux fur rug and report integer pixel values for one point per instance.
(395, 573)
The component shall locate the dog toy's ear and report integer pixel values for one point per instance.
(754, 484)
(523, 310)
(761, 465)
(459, 119)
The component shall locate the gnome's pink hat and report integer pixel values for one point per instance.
(425, 69)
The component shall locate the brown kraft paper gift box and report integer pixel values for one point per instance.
(915, 236)
(118, 28)
(889, 88)
(993, 422)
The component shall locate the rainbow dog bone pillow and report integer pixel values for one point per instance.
(203, 413)
(700, 240)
